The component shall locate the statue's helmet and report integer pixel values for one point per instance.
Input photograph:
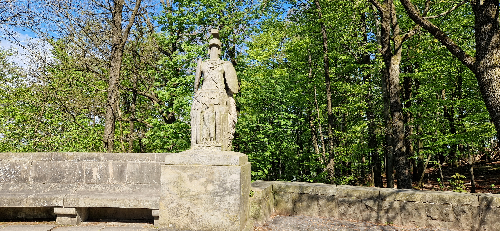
(215, 40)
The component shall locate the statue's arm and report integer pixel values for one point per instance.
(197, 75)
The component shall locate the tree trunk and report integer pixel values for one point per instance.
(119, 39)
(407, 84)
(471, 171)
(392, 61)
(487, 65)
(326, 62)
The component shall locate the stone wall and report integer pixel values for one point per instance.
(458, 211)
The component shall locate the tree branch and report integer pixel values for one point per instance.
(447, 12)
(130, 22)
(377, 5)
(410, 33)
(456, 50)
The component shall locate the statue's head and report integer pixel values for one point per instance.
(214, 45)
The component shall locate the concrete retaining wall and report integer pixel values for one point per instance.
(459, 211)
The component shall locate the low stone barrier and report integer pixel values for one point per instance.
(66, 185)
(460, 211)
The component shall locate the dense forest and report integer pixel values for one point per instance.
(364, 92)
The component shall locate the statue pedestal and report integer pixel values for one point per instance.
(205, 190)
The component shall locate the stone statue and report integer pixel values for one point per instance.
(213, 112)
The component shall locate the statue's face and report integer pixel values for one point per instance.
(214, 52)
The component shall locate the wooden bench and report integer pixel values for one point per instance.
(68, 184)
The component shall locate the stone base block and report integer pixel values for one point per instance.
(205, 190)
(156, 217)
(70, 216)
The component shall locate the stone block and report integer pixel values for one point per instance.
(350, 207)
(328, 206)
(440, 212)
(356, 192)
(117, 172)
(413, 213)
(156, 217)
(70, 216)
(305, 188)
(388, 212)
(466, 216)
(409, 195)
(38, 227)
(489, 200)
(206, 157)
(205, 197)
(117, 196)
(32, 195)
(370, 210)
(283, 203)
(306, 205)
(14, 171)
(261, 202)
(489, 212)
(453, 198)
(143, 173)
(96, 172)
(57, 172)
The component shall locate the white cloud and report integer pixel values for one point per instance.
(29, 51)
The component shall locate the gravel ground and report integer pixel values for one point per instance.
(305, 223)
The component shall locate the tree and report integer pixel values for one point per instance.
(390, 31)
(98, 28)
(486, 63)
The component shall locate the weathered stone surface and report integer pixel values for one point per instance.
(489, 200)
(452, 198)
(302, 187)
(409, 195)
(65, 172)
(14, 171)
(207, 157)
(357, 192)
(284, 203)
(440, 212)
(297, 204)
(213, 112)
(204, 197)
(350, 207)
(80, 228)
(70, 216)
(143, 173)
(33, 195)
(29, 227)
(328, 206)
(96, 172)
(118, 196)
(388, 212)
(82, 156)
(465, 216)
(489, 212)
(414, 213)
(261, 202)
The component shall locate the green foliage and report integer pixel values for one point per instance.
(277, 49)
(457, 183)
